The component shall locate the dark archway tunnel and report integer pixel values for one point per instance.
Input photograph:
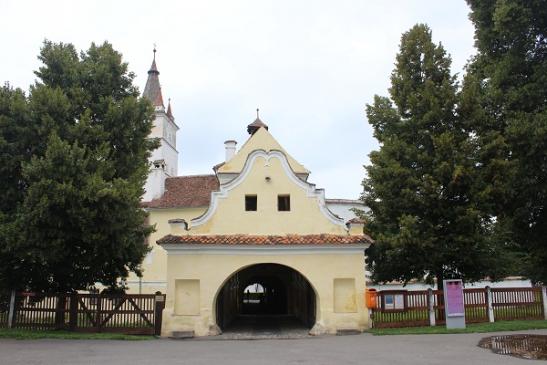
(266, 296)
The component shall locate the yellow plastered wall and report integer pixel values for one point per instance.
(155, 263)
(356, 229)
(230, 217)
(322, 270)
(304, 217)
(187, 293)
(345, 297)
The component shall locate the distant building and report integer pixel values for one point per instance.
(508, 282)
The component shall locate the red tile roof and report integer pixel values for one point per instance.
(186, 192)
(242, 239)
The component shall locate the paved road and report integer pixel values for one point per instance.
(331, 350)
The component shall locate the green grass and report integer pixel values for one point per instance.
(20, 334)
(471, 328)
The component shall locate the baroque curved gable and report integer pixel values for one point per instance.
(267, 174)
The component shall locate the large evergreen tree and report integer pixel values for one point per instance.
(78, 151)
(505, 98)
(421, 182)
(16, 138)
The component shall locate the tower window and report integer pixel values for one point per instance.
(250, 203)
(283, 203)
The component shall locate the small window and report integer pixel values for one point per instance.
(250, 203)
(283, 203)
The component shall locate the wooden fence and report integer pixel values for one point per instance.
(394, 307)
(518, 303)
(127, 313)
(476, 305)
(4, 309)
(404, 308)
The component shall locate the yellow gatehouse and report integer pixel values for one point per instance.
(254, 238)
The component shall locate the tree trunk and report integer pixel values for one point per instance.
(440, 277)
(60, 312)
(440, 298)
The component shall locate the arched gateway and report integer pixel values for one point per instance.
(263, 294)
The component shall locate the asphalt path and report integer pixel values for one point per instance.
(357, 349)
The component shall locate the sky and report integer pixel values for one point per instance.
(310, 66)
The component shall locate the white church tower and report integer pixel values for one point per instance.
(164, 159)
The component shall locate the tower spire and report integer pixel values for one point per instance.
(169, 111)
(152, 90)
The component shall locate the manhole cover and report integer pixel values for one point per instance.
(524, 346)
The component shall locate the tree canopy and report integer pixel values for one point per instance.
(505, 100)
(421, 183)
(74, 160)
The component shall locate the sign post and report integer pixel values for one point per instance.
(454, 303)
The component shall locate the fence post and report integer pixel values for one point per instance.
(73, 313)
(489, 306)
(431, 307)
(159, 300)
(544, 297)
(11, 313)
(99, 314)
(60, 307)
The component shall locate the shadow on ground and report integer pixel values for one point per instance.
(262, 327)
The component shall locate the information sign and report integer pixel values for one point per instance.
(454, 298)
(454, 306)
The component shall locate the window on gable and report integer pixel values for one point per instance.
(250, 203)
(283, 203)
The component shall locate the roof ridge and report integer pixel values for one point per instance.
(266, 240)
(186, 176)
(273, 235)
(344, 200)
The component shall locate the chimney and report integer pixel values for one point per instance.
(230, 146)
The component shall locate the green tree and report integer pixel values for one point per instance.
(81, 161)
(505, 99)
(16, 135)
(420, 184)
